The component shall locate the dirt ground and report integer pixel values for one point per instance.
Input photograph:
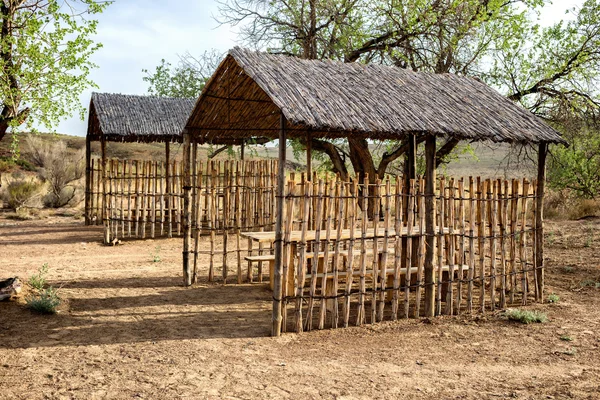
(128, 329)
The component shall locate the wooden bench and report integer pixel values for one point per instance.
(270, 258)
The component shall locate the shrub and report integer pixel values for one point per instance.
(576, 167)
(567, 269)
(590, 283)
(526, 316)
(44, 301)
(19, 193)
(553, 298)
(156, 255)
(60, 167)
(38, 281)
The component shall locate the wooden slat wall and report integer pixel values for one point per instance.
(483, 250)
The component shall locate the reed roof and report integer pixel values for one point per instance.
(249, 90)
(131, 118)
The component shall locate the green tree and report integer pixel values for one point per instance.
(424, 35)
(577, 167)
(498, 41)
(45, 49)
(185, 80)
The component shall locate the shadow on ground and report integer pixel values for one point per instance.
(32, 235)
(136, 310)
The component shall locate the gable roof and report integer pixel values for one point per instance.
(131, 118)
(249, 90)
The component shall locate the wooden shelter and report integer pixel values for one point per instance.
(257, 94)
(131, 118)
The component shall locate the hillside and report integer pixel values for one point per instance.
(488, 160)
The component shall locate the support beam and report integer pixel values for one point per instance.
(104, 192)
(88, 181)
(187, 206)
(242, 150)
(429, 225)
(277, 292)
(411, 158)
(539, 219)
(309, 154)
(168, 189)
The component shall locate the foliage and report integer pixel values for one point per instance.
(497, 41)
(526, 316)
(567, 269)
(60, 167)
(38, 281)
(44, 301)
(156, 255)
(185, 80)
(21, 192)
(7, 163)
(546, 69)
(553, 298)
(590, 283)
(45, 51)
(577, 167)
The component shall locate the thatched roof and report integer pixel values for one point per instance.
(249, 90)
(130, 118)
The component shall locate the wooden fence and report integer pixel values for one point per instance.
(355, 256)
(143, 199)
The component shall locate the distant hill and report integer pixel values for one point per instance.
(489, 161)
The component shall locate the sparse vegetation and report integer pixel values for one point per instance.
(38, 281)
(590, 283)
(566, 338)
(551, 238)
(60, 167)
(567, 269)
(553, 298)
(44, 300)
(526, 316)
(21, 191)
(156, 255)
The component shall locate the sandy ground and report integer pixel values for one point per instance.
(127, 329)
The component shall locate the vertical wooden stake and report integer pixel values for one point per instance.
(88, 181)
(539, 219)
(104, 193)
(187, 201)
(168, 188)
(276, 328)
(429, 224)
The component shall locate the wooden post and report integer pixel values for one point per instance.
(168, 191)
(242, 150)
(276, 330)
(88, 181)
(187, 201)
(104, 193)
(309, 154)
(539, 218)
(429, 224)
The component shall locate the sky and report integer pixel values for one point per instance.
(137, 34)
